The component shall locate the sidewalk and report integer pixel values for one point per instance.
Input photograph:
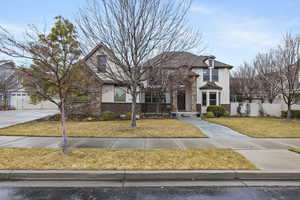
(151, 143)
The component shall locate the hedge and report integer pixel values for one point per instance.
(218, 111)
(295, 114)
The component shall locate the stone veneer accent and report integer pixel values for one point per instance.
(199, 108)
(194, 95)
(174, 101)
(120, 108)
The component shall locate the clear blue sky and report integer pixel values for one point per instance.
(233, 30)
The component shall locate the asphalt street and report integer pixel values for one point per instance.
(152, 193)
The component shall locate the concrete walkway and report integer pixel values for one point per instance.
(10, 118)
(151, 143)
(213, 130)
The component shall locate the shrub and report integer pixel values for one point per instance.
(210, 115)
(107, 116)
(128, 116)
(284, 114)
(218, 111)
(226, 114)
(295, 114)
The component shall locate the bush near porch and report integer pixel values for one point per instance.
(218, 111)
(147, 128)
(261, 127)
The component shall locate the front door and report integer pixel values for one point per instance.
(181, 100)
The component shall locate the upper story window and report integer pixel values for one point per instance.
(215, 74)
(120, 94)
(210, 74)
(206, 75)
(101, 63)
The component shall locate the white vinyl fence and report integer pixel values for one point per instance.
(255, 109)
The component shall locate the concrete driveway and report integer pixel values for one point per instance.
(10, 118)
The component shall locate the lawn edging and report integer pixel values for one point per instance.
(164, 175)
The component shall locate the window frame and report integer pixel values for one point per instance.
(154, 97)
(115, 92)
(101, 66)
(204, 99)
(214, 70)
(206, 74)
(210, 99)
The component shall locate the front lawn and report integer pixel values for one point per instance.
(108, 159)
(165, 128)
(260, 127)
(296, 150)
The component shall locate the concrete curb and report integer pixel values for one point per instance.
(123, 175)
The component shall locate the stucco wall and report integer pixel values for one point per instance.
(223, 82)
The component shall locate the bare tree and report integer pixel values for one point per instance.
(55, 62)
(244, 82)
(267, 75)
(288, 67)
(9, 81)
(133, 31)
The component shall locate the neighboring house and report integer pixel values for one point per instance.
(207, 83)
(16, 95)
(8, 82)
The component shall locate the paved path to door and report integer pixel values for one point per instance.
(214, 130)
(9, 118)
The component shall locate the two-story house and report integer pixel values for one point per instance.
(205, 82)
(202, 81)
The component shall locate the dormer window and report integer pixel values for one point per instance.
(101, 63)
(211, 62)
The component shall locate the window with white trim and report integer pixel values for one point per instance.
(212, 98)
(120, 94)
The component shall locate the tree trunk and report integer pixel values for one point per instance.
(5, 100)
(64, 128)
(133, 110)
(289, 114)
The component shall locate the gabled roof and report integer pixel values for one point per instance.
(178, 59)
(210, 86)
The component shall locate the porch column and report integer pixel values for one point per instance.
(217, 96)
(194, 95)
(174, 101)
(207, 98)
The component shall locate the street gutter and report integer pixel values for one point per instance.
(123, 175)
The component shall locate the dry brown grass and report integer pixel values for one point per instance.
(296, 150)
(107, 159)
(261, 127)
(146, 129)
